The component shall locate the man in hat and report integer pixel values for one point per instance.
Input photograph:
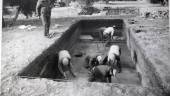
(43, 10)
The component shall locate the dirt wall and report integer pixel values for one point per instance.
(149, 76)
(48, 57)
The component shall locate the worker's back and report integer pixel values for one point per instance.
(115, 49)
(64, 54)
(101, 71)
(108, 30)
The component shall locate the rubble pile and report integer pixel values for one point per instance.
(156, 14)
(89, 11)
(121, 11)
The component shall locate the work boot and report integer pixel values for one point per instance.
(49, 36)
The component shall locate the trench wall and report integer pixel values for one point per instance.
(147, 71)
(94, 25)
(48, 58)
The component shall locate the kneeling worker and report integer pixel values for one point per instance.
(108, 33)
(64, 63)
(101, 73)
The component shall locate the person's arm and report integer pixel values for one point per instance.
(109, 79)
(91, 65)
(120, 51)
(38, 8)
(105, 60)
(71, 71)
(61, 70)
(87, 59)
(112, 33)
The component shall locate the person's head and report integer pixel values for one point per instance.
(113, 26)
(65, 61)
(99, 59)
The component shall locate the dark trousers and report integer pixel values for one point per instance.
(97, 76)
(119, 67)
(118, 64)
(107, 38)
(46, 19)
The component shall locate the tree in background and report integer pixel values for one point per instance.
(88, 8)
(162, 2)
(90, 2)
(26, 7)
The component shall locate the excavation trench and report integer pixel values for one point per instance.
(83, 37)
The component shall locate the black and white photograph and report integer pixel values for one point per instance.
(85, 48)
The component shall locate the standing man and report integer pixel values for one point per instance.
(43, 10)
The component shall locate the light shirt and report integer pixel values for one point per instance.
(108, 30)
(64, 54)
(114, 49)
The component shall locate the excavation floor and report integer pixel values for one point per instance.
(128, 74)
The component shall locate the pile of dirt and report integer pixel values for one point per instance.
(157, 14)
(154, 13)
(89, 11)
(121, 11)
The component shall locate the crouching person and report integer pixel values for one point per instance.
(92, 61)
(108, 34)
(113, 58)
(64, 63)
(101, 73)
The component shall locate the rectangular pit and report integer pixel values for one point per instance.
(45, 65)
